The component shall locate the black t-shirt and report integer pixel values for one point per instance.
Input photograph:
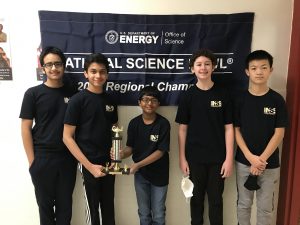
(146, 139)
(93, 115)
(206, 112)
(257, 117)
(46, 106)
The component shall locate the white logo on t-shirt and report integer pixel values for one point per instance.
(269, 111)
(66, 99)
(154, 137)
(109, 108)
(216, 104)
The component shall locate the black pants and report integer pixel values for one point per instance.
(207, 179)
(100, 192)
(53, 176)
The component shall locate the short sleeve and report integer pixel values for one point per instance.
(164, 136)
(183, 115)
(28, 106)
(72, 114)
(281, 114)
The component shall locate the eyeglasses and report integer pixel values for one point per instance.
(51, 64)
(149, 100)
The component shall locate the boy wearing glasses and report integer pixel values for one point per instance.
(148, 140)
(51, 166)
(87, 133)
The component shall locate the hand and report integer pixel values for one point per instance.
(184, 166)
(227, 168)
(255, 171)
(257, 162)
(96, 170)
(112, 153)
(134, 168)
(121, 153)
(111, 165)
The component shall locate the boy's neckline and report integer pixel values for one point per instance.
(149, 119)
(57, 84)
(258, 91)
(205, 86)
(95, 91)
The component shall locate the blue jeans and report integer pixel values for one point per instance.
(151, 201)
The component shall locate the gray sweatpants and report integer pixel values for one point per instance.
(264, 196)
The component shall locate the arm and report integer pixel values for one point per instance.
(146, 161)
(255, 161)
(124, 153)
(255, 171)
(227, 166)
(68, 139)
(184, 166)
(273, 143)
(26, 132)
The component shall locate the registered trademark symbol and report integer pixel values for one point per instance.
(229, 60)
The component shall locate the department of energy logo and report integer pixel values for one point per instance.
(111, 37)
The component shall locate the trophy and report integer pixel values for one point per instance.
(116, 147)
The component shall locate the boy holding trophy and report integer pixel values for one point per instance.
(87, 134)
(148, 140)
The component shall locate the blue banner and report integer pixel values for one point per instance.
(150, 49)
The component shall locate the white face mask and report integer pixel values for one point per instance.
(187, 187)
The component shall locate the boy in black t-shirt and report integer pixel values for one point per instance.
(87, 133)
(51, 166)
(205, 138)
(148, 142)
(260, 121)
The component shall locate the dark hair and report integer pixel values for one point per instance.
(259, 55)
(96, 58)
(203, 52)
(150, 91)
(52, 50)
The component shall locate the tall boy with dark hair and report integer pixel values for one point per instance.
(260, 121)
(205, 138)
(87, 133)
(51, 166)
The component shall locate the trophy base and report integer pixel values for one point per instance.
(120, 171)
(116, 169)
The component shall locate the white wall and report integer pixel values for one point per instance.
(272, 28)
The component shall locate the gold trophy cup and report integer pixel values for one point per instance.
(116, 147)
